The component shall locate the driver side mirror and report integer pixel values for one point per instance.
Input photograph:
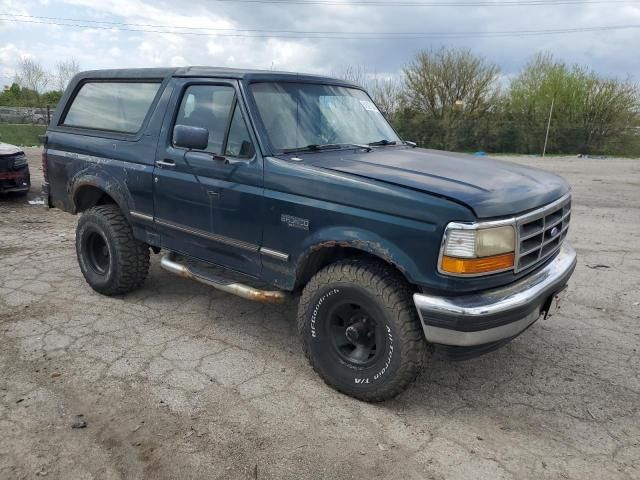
(193, 138)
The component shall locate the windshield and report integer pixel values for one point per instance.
(298, 115)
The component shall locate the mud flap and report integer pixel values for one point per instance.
(553, 303)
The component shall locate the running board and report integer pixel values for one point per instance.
(169, 263)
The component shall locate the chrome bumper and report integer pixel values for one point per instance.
(494, 315)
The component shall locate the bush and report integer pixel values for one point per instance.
(25, 135)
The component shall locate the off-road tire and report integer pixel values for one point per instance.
(126, 264)
(388, 296)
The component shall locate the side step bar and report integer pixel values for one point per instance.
(169, 263)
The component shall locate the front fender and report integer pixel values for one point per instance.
(363, 240)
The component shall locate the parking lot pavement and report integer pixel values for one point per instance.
(178, 380)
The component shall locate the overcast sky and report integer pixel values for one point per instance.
(613, 53)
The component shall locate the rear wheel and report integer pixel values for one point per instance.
(360, 329)
(112, 261)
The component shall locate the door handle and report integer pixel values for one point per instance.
(165, 163)
(213, 193)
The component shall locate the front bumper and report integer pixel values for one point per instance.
(493, 316)
(15, 180)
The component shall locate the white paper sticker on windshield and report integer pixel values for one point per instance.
(369, 105)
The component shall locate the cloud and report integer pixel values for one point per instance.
(112, 47)
(178, 61)
(214, 48)
(11, 54)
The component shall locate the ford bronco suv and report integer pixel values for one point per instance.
(273, 185)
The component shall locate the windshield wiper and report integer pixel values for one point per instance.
(326, 146)
(382, 143)
(310, 148)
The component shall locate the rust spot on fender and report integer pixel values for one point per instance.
(375, 248)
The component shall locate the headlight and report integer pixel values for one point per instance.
(477, 249)
(19, 161)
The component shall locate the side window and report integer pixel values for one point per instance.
(239, 142)
(207, 106)
(113, 106)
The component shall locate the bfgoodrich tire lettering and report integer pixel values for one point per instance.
(360, 330)
(112, 261)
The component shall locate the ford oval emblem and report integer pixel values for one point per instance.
(554, 231)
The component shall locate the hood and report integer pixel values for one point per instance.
(7, 149)
(491, 188)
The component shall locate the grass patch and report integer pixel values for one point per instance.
(24, 135)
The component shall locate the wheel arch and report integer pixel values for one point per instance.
(89, 190)
(322, 253)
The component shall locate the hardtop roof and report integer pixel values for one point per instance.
(213, 72)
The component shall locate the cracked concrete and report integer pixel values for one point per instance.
(180, 381)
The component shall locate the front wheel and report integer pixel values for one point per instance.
(360, 329)
(112, 261)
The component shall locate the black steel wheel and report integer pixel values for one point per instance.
(97, 252)
(355, 335)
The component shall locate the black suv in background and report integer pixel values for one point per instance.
(14, 170)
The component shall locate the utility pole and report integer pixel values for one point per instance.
(546, 138)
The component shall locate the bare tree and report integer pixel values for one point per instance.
(450, 82)
(354, 74)
(447, 95)
(32, 75)
(386, 92)
(65, 71)
(610, 111)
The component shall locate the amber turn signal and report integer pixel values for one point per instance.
(470, 266)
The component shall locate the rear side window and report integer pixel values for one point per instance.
(114, 106)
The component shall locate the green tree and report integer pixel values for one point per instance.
(17, 96)
(589, 112)
(30, 86)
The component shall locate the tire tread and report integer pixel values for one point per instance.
(395, 294)
(132, 255)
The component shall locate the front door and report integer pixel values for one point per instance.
(208, 204)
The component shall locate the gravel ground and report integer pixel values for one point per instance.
(179, 381)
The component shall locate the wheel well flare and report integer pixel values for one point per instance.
(87, 196)
(327, 253)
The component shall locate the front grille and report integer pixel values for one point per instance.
(541, 233)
